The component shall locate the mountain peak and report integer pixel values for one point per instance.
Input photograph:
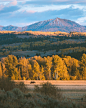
(56, 24)
(53, 25)
(10, 26)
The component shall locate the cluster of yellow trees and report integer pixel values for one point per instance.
(47, 68)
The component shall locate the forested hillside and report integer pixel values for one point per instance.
(43, 55)
(30, 43)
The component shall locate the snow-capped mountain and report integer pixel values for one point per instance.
(53, 25)
(12, 28)
(56, 24)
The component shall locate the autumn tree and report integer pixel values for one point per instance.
(0, 70)
(83, 66)
(60, 69)
(72, 65)
(36, 70)
(41, 75)
(10, 64)
(25, 67)
(48, 65)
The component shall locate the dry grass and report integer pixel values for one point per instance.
(3, 32)
(36, 33)
(18, 99)
(70, 89)
(56, 82)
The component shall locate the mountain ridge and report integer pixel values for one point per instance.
(51, 25)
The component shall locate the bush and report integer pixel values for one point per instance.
(17, 93)
(21, 86)
(51, 103)
(3, 96)
(17, 99)
(48, 89)
(27, 95)
(30, 104)
(6, 84)
(10, 94)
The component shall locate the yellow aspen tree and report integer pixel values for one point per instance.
(83, 66)
(84, 73)
(19, 75)
(3, 70)
(60, 69)
(23, 62)
(0, 71)
(56, 64)
(41, 74)
(72, 65)
(36, 70)
(48, 66)
(10, 64)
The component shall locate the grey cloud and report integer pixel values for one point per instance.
(26, 17)
(67, 13)
(9, 9)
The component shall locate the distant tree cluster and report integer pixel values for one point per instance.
(47, 68)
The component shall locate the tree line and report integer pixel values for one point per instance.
(46, 68)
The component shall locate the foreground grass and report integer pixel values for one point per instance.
(18, 96)
(18, 99)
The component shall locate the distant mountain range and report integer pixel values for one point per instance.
(52, 25)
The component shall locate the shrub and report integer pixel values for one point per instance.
(10, 94)
(30, 104)
(6, 84)
(36, 88)
(3, 96)
(18, 93)
(27, 95)
(51, 103)
(21, 86)
(48, 89)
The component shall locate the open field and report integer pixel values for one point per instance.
(56, 82)
(35, 33)
(33, 53)
(74, 90)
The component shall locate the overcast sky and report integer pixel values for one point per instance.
(25, 12)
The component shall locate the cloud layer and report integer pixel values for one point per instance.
(25, 12)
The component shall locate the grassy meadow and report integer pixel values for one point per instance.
(16, 94)
(74, 89)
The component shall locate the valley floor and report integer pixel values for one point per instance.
(74, 89)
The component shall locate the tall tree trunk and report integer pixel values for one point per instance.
(55, 75)
(49, 74)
